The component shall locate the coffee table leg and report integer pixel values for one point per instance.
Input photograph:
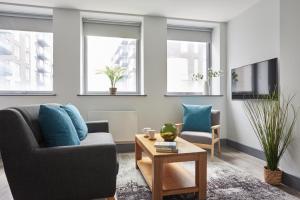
(138, 154)
(157, 168)
(201, 175)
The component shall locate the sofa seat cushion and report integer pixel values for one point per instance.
(98, 139)
(197, 137)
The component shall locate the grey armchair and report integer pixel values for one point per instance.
(35, 172)
(205, 140)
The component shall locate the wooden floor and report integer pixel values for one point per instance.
(252, 165)
(241, 160)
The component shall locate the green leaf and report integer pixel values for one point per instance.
(273, 121)
(114, 73)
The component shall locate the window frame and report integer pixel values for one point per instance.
(31, 92)
(119, 29)
(208, 66)
(102, 93)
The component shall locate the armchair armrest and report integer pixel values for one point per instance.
(215, 127)
(215, 130)
(97, 126)
(180, 125)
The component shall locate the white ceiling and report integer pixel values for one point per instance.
(209, 10)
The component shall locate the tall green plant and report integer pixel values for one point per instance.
(114, 73)
(273, 121)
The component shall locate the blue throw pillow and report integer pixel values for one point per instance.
(77, 120)
(197, 118)
(57, 127)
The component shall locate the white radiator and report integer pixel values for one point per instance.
(122, 124)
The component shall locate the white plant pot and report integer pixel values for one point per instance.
(207, 90)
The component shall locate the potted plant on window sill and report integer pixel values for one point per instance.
(207, 83)
(273, 122)
(115, 74)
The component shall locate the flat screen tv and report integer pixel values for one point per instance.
(255, 81)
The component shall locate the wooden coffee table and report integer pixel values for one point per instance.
(162, 172)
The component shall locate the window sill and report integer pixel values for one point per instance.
(109, 95)
(192, 95)
(28, 94)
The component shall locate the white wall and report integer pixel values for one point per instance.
(252, 36)
(269, 29)
(152, 110)
(67, 28)
(290, 72)
(218, 49)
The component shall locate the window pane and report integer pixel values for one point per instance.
(110, 51)
(184, 60)
(26, 61)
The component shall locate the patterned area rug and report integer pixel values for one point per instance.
(225, 182)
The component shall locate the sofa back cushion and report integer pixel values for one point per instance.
(31, 114)
(77, 120)
(197, 118)
(57, 127)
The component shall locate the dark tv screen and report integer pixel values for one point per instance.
(255, 81)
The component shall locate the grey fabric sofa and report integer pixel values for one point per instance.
(35, 172)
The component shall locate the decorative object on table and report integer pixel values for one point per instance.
(115, 74)
(166, 150)
(207, 82)
(151, 134)
(273, 121)
(166, 147)
(168, 132)
(145, 131)
(201, 126)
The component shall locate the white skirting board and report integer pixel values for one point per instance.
(122, 124)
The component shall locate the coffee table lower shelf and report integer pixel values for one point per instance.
(176, 179)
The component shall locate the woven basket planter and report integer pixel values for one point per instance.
(273, 177)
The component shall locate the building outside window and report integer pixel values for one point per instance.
(111, 44)
(188, 53)
(111, 51)
(26, 54)
(183, 63)
(26, 61)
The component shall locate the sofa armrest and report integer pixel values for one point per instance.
(77, 167)
(97, 126)
(78, 156)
